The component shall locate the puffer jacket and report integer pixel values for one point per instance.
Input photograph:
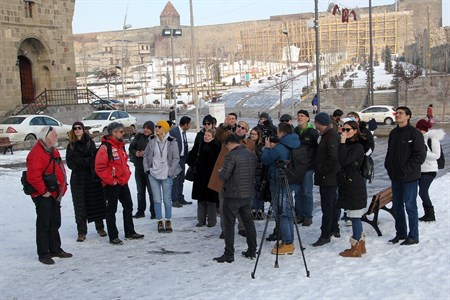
(327, 163)
(405, 154)
(238, 173)
(38, 164)
(115, 170)
(280, 152)
(139, 143)
(173, 155)
(430, 163)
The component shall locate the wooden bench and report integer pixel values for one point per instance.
(379, 201)
(5, 142)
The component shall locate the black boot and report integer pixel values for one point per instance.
(429, 215)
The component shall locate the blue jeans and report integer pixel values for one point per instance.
(304, 196)
(357, 228)
(286, 223)
(404, 195)
(178, 182)
(162, 191)
(424, 184)
(258, 203)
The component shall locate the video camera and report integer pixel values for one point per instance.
(269, 131)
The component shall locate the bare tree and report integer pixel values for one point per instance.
(281, 84)
(109, 75)
(404, 75)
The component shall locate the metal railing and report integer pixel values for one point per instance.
(59, 98)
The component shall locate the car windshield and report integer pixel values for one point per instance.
(12, 120)
(98, 116)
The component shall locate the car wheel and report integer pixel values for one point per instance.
(30, 137)
(388, 121)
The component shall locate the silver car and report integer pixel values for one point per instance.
(99, 120)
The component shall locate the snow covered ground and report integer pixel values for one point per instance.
(180, 266)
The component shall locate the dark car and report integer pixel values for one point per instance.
(103, 104)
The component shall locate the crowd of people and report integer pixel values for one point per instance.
(236, 171)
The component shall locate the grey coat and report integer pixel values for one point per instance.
(173, 156)
(238, 173)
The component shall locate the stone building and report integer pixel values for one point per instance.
(36, 49)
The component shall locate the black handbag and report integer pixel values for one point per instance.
(190, 173)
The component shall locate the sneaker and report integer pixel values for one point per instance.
(168, 226)
(307, 222)
(259, 215)
(47, 260)
(284, 249)
(61, 254)
(116, 242)
(184, 202)
(139, 215)
(81, 237)
(135, 236)
(102, 232)
(161, 226)
(409, 241)
(249, 254)
(223, 258)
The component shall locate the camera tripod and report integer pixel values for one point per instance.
(282, 190)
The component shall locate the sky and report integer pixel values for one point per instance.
(145, 13)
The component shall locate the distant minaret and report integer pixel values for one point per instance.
(169, 16)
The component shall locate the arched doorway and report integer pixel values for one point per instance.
(26, 79)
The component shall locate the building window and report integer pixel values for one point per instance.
(29, 8)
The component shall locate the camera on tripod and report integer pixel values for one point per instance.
(281, 166)
(269, 131)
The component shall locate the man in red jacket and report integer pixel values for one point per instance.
(47, 175)
(112, 168)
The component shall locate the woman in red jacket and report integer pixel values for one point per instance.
(47, 175)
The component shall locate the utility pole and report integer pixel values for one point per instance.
(194, 67)
(316, 26)
(370, 81)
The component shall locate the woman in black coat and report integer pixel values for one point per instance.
(87, 192)
(352, 194)
(208, 151)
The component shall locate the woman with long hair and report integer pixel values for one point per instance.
(208, 200)
(352, 192)
(87, 194)
(260, 175)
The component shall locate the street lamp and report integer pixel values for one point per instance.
(172, 33)
(125, 27)
(285, 32)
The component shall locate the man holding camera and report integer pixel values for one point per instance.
(47, 175)
(276, 150)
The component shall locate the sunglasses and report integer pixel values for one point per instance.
(77, 128)
(120, 131)
(49, 130)
(158, 126)
(242, 127)
(347, 129)
(207, 123)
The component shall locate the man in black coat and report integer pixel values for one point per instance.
(326, 169)
(136, 150)
(179, 133)
(238, 174)
(405, 154)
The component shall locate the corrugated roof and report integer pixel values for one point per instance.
(169, 11)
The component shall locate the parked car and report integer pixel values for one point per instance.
(27, 127)
(99, 120)
(381, 113)
(103, 104)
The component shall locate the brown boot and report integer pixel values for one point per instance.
(354, 251)
(362, 243)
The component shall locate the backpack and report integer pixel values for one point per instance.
(367, 168)
(297, 165)
(441, 159)
(28, 189)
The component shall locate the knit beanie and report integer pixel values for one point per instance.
(150, 125)
(264, 115)
(114, 126)
(165, 126)
(323, 119)
(303, 112)
(78, 123)
(285, 118)
(423, 124)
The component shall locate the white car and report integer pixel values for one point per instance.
(381, 113)
(99, 120)
(27, 127)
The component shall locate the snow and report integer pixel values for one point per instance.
(179, 265)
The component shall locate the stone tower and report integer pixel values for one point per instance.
(169, 16)
(36, 49)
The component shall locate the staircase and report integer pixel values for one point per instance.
(57, 98)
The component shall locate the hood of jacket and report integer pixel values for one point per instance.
(291, 141)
